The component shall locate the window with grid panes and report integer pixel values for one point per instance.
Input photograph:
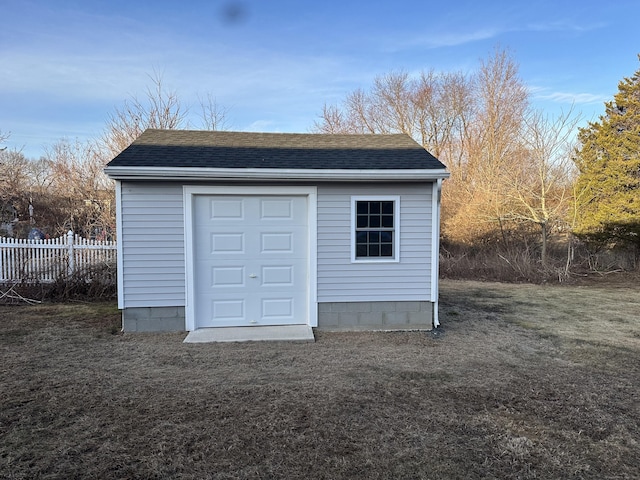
(375, 229)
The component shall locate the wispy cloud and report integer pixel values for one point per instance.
(463, 32)
(572, 98)
(72, 76)
(439, 39)
(451, 39)
(564, 26)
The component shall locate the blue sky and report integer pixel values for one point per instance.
(66, 65)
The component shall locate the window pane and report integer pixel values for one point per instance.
(374, 221)
(374, 207)
(362, 208)
(361, 237)
(362, 221)
(374, 237)
(361, 251)
(374, 250)
(386, 237)
(387, 207)
(387, 221)
(386, 250)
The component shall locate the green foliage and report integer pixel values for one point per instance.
(608, 185)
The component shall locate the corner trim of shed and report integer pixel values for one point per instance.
(119, 251)
(435, 242)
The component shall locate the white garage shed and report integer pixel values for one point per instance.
(235, 229)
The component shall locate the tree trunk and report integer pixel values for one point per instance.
(545, 236)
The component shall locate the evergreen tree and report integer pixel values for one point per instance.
(608, 160)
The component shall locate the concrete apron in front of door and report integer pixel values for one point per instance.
(282, 333)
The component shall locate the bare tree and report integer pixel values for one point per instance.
(443, 104)
(213, 115)
(14, 180)
(502, 103)
(542, 184)
(3, 137)
(357, 115)
(15, 172)
(392, 106)
(65, 189)
(432, 109)
(475, 202)
(18, 185)
(81, 196)
(332, 120)
(362, 116)
(159, 108)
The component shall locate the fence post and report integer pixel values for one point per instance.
(72, 259)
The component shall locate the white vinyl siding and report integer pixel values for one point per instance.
(152, 239)
(341, 280)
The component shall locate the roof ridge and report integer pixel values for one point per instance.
(176, 130)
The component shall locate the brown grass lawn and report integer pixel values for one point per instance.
(524, 382)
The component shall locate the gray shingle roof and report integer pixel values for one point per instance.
(206, 149)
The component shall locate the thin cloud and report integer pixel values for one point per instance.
(564, 26)
(75, 76)
(444, 39)
(453, 37)
(573, 98)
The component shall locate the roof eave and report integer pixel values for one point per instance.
(244, 174)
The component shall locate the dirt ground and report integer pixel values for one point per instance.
(522, 381)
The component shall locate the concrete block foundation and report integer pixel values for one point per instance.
(153, 319)
(343, 316)
(375, 316)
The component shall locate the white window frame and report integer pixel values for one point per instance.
(396, 228)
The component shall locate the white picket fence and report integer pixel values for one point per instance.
(44, 261)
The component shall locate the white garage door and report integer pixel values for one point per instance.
(250, 260)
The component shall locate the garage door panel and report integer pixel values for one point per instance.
(273, 242)
(225, 243)
(278, 276)
(276, 208)
(228, 312)
(228, 208)
(229, 276)
(278, 308)
(279, 242)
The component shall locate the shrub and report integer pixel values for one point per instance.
(568, 259)
(96, 282)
